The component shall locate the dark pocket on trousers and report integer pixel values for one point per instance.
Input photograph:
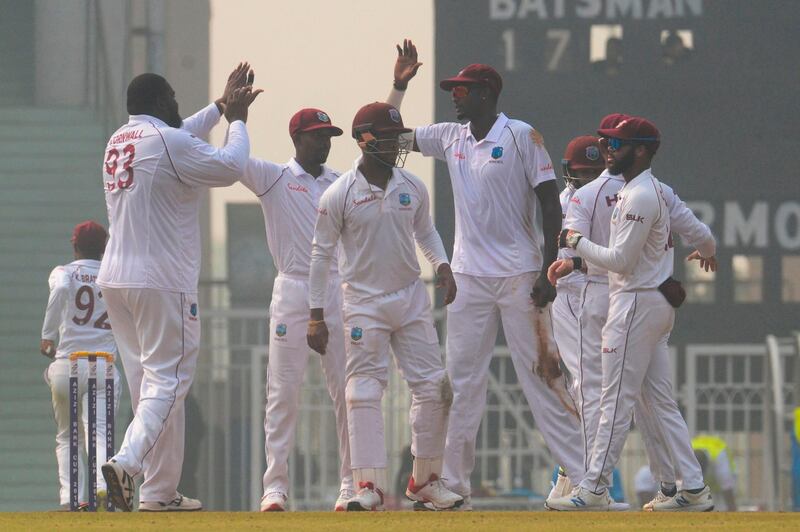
(673, 291)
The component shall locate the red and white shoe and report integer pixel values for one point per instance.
(434, 493)
(274, 501)
(368, 498)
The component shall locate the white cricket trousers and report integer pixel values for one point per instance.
(584, 361)
(566, 330)
(402, 320)
(158, 336)
(472, 325)
(288, 357)
(57, 377)
(635, 363)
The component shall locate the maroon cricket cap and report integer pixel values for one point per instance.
(611, 121)
(378, 117)
(584, 152)
(89, 235)
(632, 128)
(475, 74)
(312, 119)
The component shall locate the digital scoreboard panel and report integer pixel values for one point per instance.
(718, 77)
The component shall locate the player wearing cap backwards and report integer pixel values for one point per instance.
(290, 195)
(501, 176)
(634, 355)
(590, 213)
(154, 170)
(374, 214)
(76, 317)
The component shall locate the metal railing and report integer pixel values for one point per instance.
(725, 392)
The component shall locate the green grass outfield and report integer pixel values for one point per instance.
(401, 521)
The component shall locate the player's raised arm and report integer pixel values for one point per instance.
(203, 121)
(199, 163)
(405, 68)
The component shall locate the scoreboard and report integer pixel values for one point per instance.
(718, 77)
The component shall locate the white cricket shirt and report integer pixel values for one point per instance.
(289, 199)
(640, 254)
(496, 232)
(590, 210)
(76, 313)
(377, 230)
(153, 175)
(576, 278)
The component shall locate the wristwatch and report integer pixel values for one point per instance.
(573, 237)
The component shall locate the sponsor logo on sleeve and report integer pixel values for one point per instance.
(634, 218)
(608, 350)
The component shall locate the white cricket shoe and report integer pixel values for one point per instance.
(614, 506)
(274, 501)
(658, 499)
(178, 504)
(561, 488)
(434, 493)
(429, 507)
(120, 485)
(367, 499)
(683, 501)
(344, 497)
(581, 500)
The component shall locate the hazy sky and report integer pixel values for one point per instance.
(336, 55)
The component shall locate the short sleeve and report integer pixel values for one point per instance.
(539, 167)
(433, 140)
(260, 176)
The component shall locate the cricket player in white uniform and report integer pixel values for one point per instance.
(589, 213)
(76, 319)
(289, 195)
(378, 212)
(501, 175)
(153, 172)
(635, 358)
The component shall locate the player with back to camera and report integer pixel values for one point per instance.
(76, 318)
(634, 354)
(374, 214)
(501, 176)
(154, 170)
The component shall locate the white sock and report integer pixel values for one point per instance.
(425, 467)
(375, 475)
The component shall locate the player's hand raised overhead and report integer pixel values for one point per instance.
(237, 78)
(445, 279)
(406, 66)
(239, 101)
(706, 263)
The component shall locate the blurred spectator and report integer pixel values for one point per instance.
(674, 51)
(611, 65)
